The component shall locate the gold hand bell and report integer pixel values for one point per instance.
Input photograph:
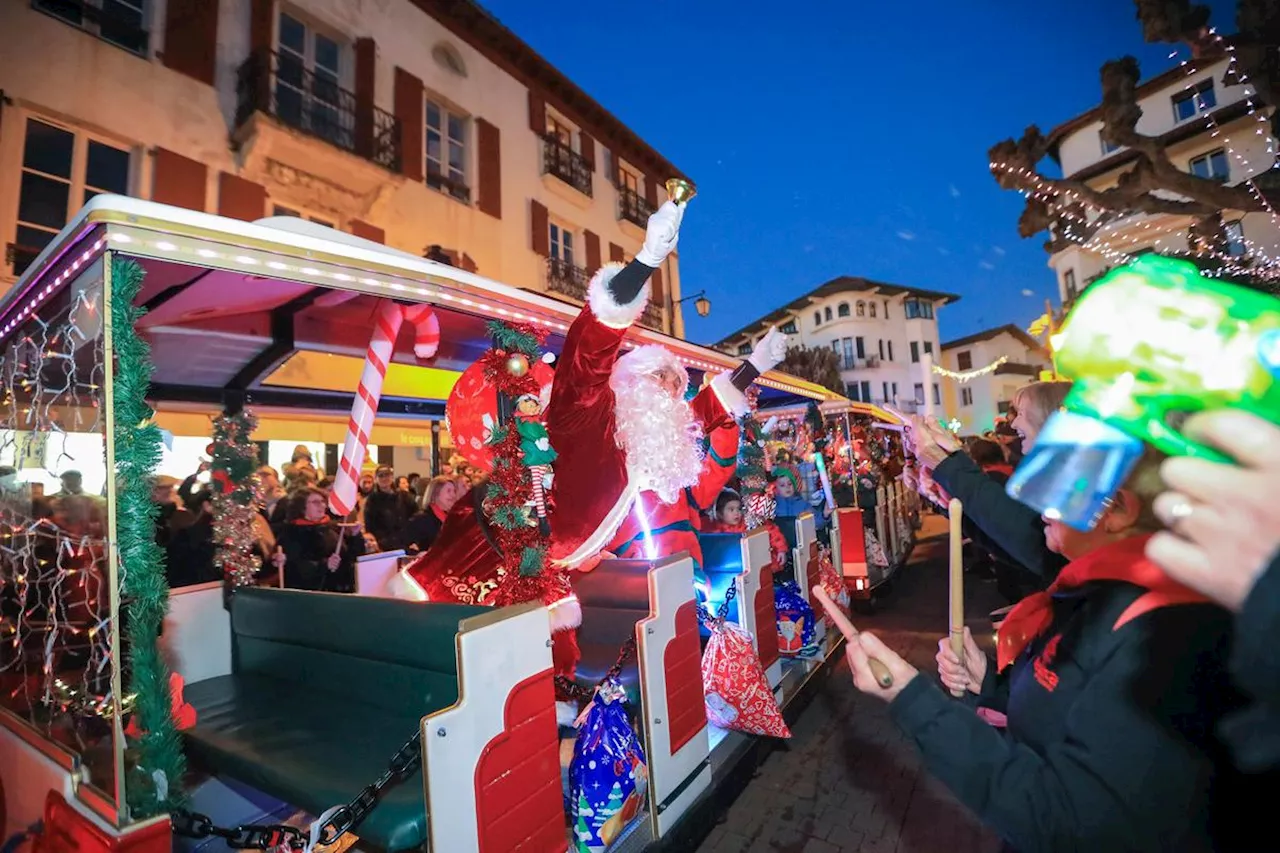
(680, 190)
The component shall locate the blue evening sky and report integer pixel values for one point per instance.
(835, 138)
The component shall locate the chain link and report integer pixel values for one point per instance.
(246, 837)
(573, 690)
(722, 612)
(280, 836)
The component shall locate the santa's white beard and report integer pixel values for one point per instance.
(659, 434)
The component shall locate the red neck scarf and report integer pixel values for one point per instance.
(998, 468)
(1120, 561)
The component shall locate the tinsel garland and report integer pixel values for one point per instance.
(233, 484)
(509, 489)
(154, 779)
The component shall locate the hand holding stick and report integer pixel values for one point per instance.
(878, 669)
(955, 512)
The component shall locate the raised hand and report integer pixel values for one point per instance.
(662, 234)
(770, 352)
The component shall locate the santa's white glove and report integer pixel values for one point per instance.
(662, 235)
(770, 352)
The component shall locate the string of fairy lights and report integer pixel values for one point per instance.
(1076, 211)
(54, 598)
(963, 376)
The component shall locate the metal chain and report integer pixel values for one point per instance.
(576, 691)
(345, 819)
(722, 612)
(246, 837)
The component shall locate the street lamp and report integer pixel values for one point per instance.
(701, 303)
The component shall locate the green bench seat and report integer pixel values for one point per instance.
(324, 689)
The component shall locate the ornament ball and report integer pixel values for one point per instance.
(517, 365)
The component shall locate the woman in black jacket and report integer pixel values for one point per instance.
(314, 558)
(1012, 525)
(422, 529)
(1112, 683)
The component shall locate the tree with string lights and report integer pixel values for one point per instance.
(1074, 212)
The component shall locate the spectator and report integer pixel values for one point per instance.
(424, 526)
(387, 510)
(1112, 683)
(318, 554)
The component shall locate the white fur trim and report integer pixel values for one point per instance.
(649, 358)
(733, 400)
(596, 541)
(566, 714)
(614, 314)
(565, 614)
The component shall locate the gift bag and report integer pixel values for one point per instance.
(738, 696)
(875, 554)
(795, 621)
(607, 777)
(832, 583)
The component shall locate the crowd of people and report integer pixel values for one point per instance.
(1136, 696)
(300, 542)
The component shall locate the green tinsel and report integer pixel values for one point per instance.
(510, 517)
(143, 583)
(532, 561)
(513, 339)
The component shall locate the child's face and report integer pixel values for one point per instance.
(732, 514)
(786, 488)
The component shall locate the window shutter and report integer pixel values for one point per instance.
(408, 109)
(489, 169)
(537, 113)
(240, 199)
(262, 25)
(367, 231)
(657, 298)
(593, 250)
(468, 263)
(178, 180)
(651, 192)
(588, 150)
(366, 65)
(616, 254)
(191, 38)
(539, 228)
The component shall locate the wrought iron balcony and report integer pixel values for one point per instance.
(566, 164)
(315, 104)
(566, 278)
(633, 207)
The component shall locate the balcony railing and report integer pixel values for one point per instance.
(315, 104)
(566, 164)
(633, 207)
(566, 278)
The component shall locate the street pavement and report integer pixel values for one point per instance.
(848, 781)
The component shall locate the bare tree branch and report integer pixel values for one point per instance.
(1060, 204)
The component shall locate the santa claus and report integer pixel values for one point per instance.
(637, 462)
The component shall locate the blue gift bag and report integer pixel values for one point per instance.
(795, 621)
(608, 776)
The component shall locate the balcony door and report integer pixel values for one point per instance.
(308, 82)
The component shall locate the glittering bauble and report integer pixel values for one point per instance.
(517, 364)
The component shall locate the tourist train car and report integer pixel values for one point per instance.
(289, 703)
(866, 562)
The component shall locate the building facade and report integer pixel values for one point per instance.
(422, 124)
(1208, 126)
(880, 332)
(983, 372)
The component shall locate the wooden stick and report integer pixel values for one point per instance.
(881, 672)
(956, 512)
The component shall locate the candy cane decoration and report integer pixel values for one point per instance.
(364, 409)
